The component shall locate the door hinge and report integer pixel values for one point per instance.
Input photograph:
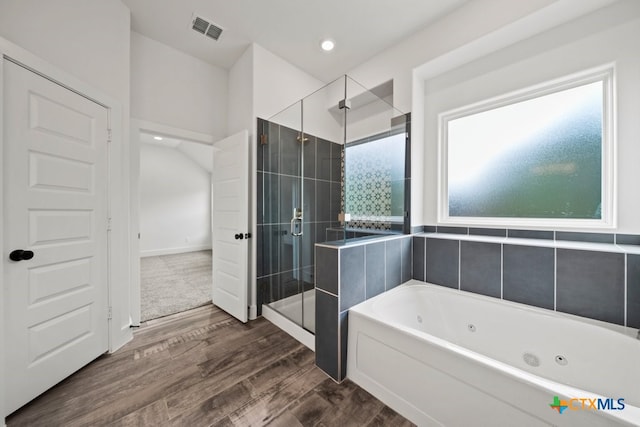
(109, 135)
(108, 224)
(110, 314)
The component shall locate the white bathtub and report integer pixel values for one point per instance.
(445, 357)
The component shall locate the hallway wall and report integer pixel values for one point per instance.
(175, 202)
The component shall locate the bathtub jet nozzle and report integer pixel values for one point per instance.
(531, 359)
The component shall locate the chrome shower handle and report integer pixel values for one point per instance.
(297, 216)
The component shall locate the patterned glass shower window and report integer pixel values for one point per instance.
(537, 158)
(374, 181)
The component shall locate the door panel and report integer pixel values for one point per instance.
(58, 280)
(53, 117)
(48, 227)
(230, 183)
(56, 173)
(55, 178)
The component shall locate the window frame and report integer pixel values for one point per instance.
(608, 220)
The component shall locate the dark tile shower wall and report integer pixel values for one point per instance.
(279, 177)
(602, 284)
(347, 274)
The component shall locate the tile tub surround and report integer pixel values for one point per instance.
(580, 276)
(279, 177)
(594, 275)
(348, 273)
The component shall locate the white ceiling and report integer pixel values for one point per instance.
(292, 29)
(201, 154)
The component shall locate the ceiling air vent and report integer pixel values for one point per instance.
(204, 26)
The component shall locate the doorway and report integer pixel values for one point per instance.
(172, 216)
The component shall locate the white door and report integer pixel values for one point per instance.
(230, 224)
(55, 189)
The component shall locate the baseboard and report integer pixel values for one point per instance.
(171, 251)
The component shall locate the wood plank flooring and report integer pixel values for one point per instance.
(204, 368)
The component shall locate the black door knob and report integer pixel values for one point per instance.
(239, 236)
(20, 255)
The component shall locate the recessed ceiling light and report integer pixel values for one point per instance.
(157, 138)
(327, 45)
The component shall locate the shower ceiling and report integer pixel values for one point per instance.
(292, 29)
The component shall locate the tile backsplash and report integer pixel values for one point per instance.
(591, 284)
(594, 275)
(528, 275)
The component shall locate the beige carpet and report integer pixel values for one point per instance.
(174, 283)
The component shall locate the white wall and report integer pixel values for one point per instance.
(176, 89)
(279, 88)
(606, 36)
(262, 84)
(200, 153)
(240, 100)
(473, 21)
(89, 39)
(477, 28)
(175, 202)
(277, 83)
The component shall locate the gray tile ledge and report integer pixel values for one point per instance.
(588, 246)
(560, 244)
(466, 237)
(630, 249)
(360, 241)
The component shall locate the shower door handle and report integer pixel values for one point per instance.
(297, 219)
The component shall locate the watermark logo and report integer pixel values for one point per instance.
(587, 404)
(558, 405)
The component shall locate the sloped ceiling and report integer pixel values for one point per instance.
(292, 29)
(201, 154)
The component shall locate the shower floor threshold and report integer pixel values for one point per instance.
(305, 337)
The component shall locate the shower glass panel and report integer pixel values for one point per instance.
(284, 273)
(301, 188)
(324, 124)
(376, 163)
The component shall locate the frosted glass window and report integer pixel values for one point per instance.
(375, 179)
(537, 158)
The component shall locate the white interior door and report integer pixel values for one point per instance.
(230, 224)
(55, 189)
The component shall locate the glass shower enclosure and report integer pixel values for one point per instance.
(301, 185)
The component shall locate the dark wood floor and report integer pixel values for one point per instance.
(203, 368)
